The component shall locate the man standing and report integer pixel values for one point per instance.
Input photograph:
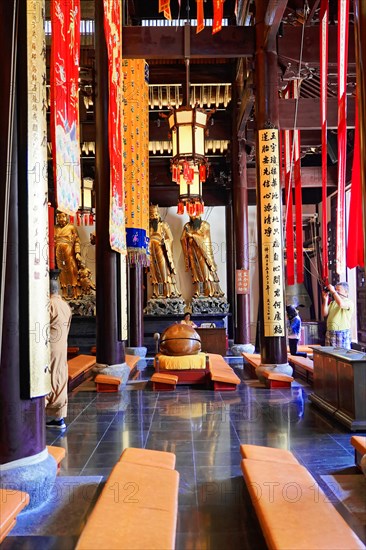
(338, 314)
(60, 319)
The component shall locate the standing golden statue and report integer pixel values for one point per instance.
(162, 268)
(198, 255)
(68, 256)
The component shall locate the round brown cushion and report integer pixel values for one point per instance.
(179, 340)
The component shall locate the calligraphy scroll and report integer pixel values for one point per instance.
(136, 157)
(271, 233)
(65, 50)
(112, 30)
(323, 119)
(343, 17)
(38, 280)
(242, 281)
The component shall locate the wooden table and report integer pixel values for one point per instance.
(213, 340)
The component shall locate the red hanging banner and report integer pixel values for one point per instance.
(200, 16)
(323, 118)
(164, 6)
(298, 210)
(298, 197)
(355, 246)
(113, 36)
(64, 80)
(289, 228)
(343, 17)
(218, 11)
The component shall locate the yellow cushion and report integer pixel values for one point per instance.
(184, 362)
(132, 360)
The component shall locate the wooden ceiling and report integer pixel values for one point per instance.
(228, 57)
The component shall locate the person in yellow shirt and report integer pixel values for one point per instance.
(187, 320)
(338, 314)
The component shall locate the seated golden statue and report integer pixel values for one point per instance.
(162, 268)
(197, 249)
(68, 256)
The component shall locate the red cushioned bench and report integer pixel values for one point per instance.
(80, 368)
(11, 504)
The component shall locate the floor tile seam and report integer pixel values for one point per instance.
(81, 412)
(151, 420)
(349, 450)
(96, 447)
(193, 454)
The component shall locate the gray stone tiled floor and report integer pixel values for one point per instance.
(204, 429)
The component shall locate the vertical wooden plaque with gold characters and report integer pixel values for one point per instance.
(38, 278)
(271, 233)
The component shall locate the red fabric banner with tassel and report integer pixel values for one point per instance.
(289, 228)
(65, 53)
(355, 246)
(164, 6)
(298, 196)
(113, 36)
(323, 118)
(343, 17)
(298, 210)
(200, 16)
(218, 11)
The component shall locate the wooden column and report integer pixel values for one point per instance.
(360, 41)
(272, 348)
(110, 349)
(240, 207)
(230, 269)
(22, 426)
(135, 317)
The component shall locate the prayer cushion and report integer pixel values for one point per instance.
(185, 362)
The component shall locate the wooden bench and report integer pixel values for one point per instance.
(253, 360)
(276, 379)
(107, 383)
(292, 510)
(258, 452)
(163, 381)
(148, 457)
(303, 367)
(222, 375)
(359, 444)
(58, 454)
(80, 368)
(12, 503)
(137, 508)
(72, 351)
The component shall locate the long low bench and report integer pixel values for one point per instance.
(253, 361)
(11, 504)
(292, 510)
(222, 376)
(303, 367)
(80, 368)
(137, 508)
(358, 442)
